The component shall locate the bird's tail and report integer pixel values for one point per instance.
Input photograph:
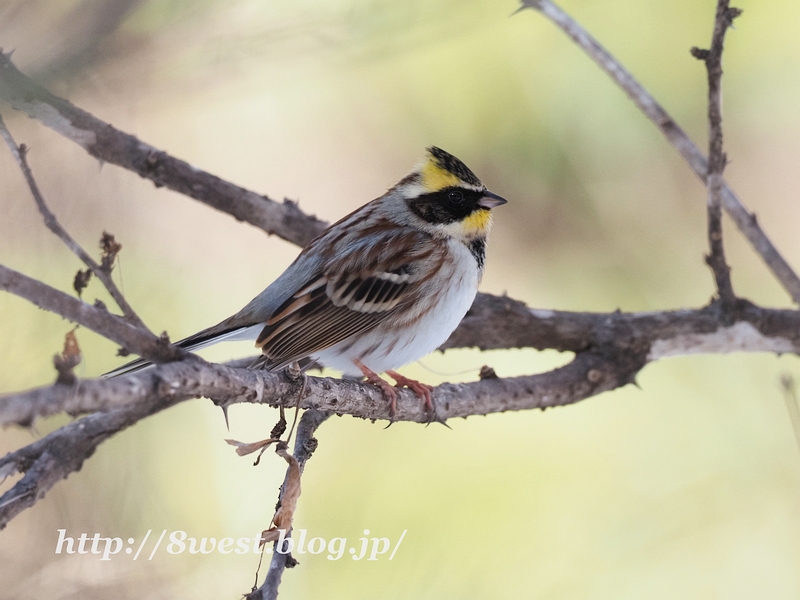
(201, 339)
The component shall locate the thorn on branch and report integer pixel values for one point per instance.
(487, 372)
(731, 14)
(700, 53)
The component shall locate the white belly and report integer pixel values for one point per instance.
(386, 348)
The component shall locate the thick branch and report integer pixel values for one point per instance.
(99, 320)
(52, 458)
(20, 155)
(56, 455)
(612, 348)
(496, 322)
(745, 221)
(108, 144)
(493, 323)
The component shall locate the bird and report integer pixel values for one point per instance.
(377, 290)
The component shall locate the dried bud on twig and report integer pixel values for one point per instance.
(81, 280)
(110, 248)
(69, 358)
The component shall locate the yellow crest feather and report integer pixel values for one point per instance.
(435, 178)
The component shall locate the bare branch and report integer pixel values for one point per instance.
(651, 335)
(304, 446)
(110, 145)
(611, 349)
(20, 155)
(717, 159)
(745, 221)
(496, 322)
(52, 458)
(99, 320)
(56, 455)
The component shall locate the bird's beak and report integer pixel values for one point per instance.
(491, 200)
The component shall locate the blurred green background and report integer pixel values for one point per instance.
(686, 488)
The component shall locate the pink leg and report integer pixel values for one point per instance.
(421, 390)
(375, 379)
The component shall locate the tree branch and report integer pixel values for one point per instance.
(20, 155)
(110, 145)
(650, 335)
(745, 221)
(99, 320)
(717, 159)
(56, 455)
(52, 458)
(612, 349)
(304, 447)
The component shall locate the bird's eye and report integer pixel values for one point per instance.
(456, 197)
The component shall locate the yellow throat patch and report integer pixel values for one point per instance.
(477, 224)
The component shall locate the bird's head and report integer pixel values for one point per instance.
(447, 196)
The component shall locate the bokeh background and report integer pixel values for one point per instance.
(686, 488)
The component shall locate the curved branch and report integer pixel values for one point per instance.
(55, 456)
(20, 155)
(744, 219)
(99, 320)
(304, 447)
(111, 145)
(649, 335)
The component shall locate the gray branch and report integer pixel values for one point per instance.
(20, 155)
(744, 219)
(99, 320)
(716, 156)
(304, 447)
(610, 350)
(111, 145)
(492, 323)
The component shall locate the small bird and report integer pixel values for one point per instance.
(380, 288)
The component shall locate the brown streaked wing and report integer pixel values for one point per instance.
(342, 302)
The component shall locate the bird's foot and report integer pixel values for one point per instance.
(388, 390)
(421, 391)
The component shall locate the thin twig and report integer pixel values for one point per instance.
(132, 338)
(792, 405)
(304, 446)
(50, 220)
(745, 221)
(717, 158)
